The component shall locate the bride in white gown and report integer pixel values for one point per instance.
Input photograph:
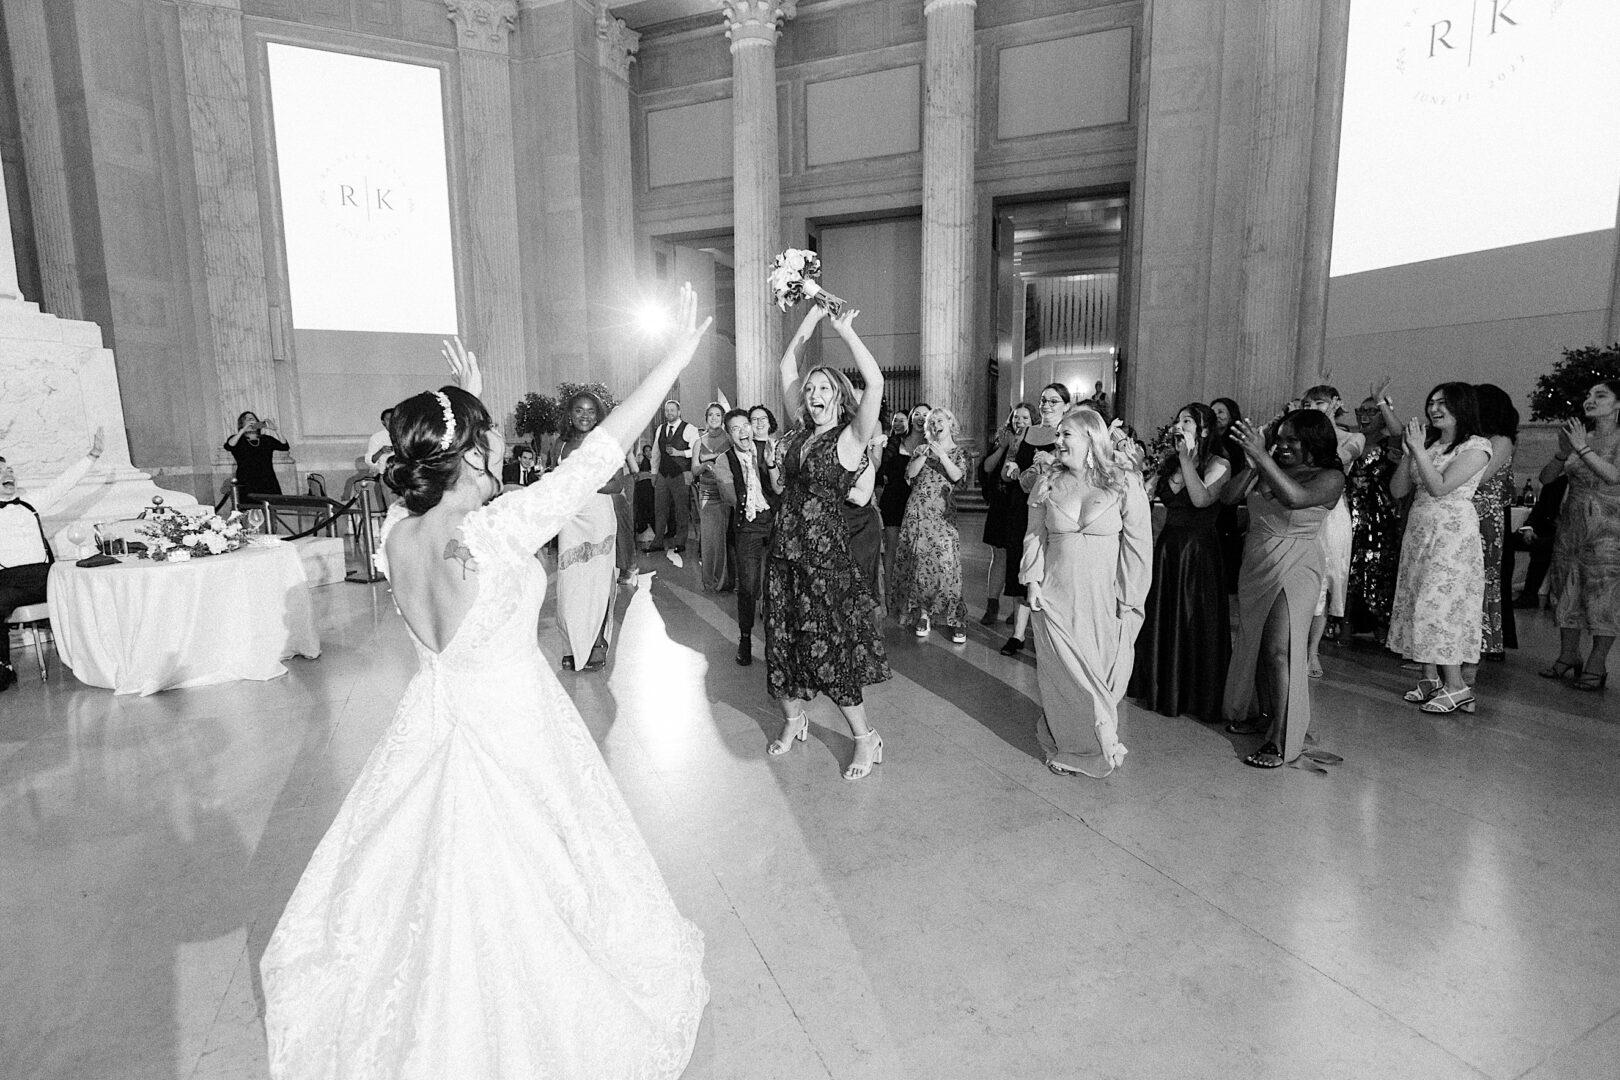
(483, 905)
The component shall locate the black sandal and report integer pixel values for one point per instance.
(1267, 757)
(1247, 727)
(1561, 669)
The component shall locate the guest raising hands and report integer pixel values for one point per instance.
(254, 449)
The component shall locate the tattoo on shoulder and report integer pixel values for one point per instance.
(459, 552)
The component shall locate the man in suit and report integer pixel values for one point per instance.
(1536, 537)
(672, 465)
(522, 470)
(25, 555)
(750, 479)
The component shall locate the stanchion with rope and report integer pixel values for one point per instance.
(365, 541)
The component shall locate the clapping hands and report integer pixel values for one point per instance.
(1572, 435)
(1251, 438)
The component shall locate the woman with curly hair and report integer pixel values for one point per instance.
(587, 548)
(1290, 487)
(820, 637)
(1086, 568)
(928, 567)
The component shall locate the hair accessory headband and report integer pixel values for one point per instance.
(449, 435)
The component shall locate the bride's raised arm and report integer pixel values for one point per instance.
(529, 517)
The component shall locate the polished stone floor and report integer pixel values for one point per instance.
(1444, 904)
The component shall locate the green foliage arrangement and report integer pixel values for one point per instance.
(539, 415)
(1559, 393)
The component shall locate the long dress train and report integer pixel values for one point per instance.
(483, 906)
(1094, 577)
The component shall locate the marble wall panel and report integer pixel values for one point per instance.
(125, 134)
(1064, 84)
(863, 116)
(109, 28)
(689, 143)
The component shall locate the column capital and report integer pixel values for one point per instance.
(756, 22)
(616, 43)
(485, 25)
(931, 6)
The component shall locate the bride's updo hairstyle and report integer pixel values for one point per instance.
(422, 470)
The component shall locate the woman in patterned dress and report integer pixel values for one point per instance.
(1375, 525)
(928, 566)
(1498, 422)
(1586, 555)
(820, 637)
(1440, 589)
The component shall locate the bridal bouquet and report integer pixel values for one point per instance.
(176, 536)
(1165, 446)
(793, 278)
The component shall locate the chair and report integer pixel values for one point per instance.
(33, 616)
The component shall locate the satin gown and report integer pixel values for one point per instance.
(1186, 639)
(1282, 561)
(483, 906)
(1093, 569)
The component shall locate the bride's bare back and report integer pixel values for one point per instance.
(434, 575)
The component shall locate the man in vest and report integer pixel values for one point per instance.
(25, 554)
(750, 481)
(672, 473)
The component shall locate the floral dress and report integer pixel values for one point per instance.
(819, 633)
(1440, 589)
(928, 562)
(1586, 552)
(1375, 540)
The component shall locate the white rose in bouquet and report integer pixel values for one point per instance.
(191, 540)
(215, 543)
(179, 555)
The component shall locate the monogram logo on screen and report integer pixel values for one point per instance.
(366, 198)
(1454, 51)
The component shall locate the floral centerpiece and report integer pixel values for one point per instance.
(794, 278)
(175, 536)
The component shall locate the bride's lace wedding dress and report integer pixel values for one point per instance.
(483, 905)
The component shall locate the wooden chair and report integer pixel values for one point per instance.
(34, 617)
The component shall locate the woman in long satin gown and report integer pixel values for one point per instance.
(1290, 489)
(586, 551)
(1186, 638)
(1086, 569)
(483, 906)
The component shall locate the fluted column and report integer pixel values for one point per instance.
(616, 47)
(950, 126)
(228, 203)
(753, 27)
(42, 150)
(1277, 201)
(1310, 361)
(494, 311)
(1611, 325)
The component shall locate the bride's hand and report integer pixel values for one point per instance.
(1032, 595)
(463, 366)
(684, 341)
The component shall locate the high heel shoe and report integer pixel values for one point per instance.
(992, 612)
(1426, 689)
(1561, 669)
(1590, 680)
(856, 769)
(1449, 701)
(797, 727)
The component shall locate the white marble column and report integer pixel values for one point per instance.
(42, 150)
(950, 374)
(753, 27)
(223, 162)
(1310, 362)
(1611, 325)
(616, 47)
(493, 314)
(1277, 202)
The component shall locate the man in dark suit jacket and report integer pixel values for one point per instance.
(1536, 537)
(750, 480)
(522, 470)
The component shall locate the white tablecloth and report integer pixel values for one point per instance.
(142, 626)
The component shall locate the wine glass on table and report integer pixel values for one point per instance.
(76, 534)
(255, 520)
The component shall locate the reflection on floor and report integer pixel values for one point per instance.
(1443, 904)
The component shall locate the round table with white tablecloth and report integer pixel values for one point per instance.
(141, 626)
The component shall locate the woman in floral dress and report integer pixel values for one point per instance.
(928, 566)
(1586, 558)
(820, 637)
(1440, 589)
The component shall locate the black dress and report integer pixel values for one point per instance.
(1185, 645)
(819, 632)
(255, 464)
(1008, 518)
(894, 488)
